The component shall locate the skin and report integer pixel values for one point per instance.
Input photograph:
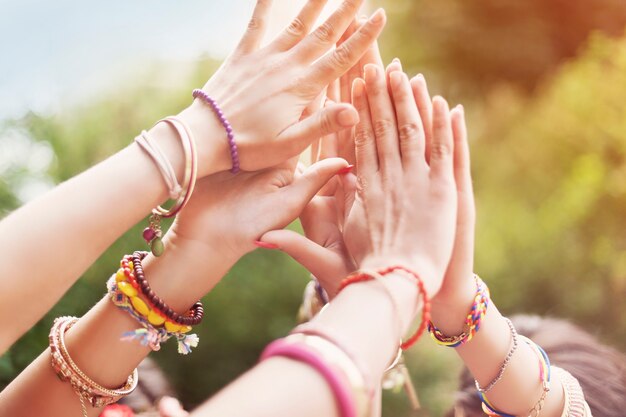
(265, 108)
(331, 253)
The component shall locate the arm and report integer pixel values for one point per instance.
(264, 107)
(224, 217)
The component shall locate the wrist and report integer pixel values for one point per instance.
(450, 307)
(211, 139)
(424, 270)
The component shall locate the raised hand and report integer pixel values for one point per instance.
(264, 91)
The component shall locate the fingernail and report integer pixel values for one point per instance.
(397, 62)
(378, 16)
(358, 88)
(396, 79)
(370, 72)
(461, 109)
(345, 170)
(348, 117)
(265, 245)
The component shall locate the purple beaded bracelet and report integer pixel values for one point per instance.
(234, 154)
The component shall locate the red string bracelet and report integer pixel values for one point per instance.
(361, 277)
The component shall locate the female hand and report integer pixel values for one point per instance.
(322, 250)
(264, 91)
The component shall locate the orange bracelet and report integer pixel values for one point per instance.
(363, 277)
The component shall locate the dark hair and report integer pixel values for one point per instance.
(601, 370)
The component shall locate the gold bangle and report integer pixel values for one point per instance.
(67, 370)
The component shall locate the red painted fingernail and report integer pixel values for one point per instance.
(265, 245)
(345, 170)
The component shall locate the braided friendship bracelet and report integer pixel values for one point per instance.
(67, 371)
(234, 153)
(363, 277)
(472, 321)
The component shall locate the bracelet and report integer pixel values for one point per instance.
(67, 370)
(505, 364)
(147, 143)
(337, 368)
(234, 153)
(314, 299)
(160, 307)
(575, 404)
(472, 321)
(156, 328)
(153, 233)
(544, 377)
(363, 277)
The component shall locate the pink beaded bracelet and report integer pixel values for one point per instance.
(234, 153)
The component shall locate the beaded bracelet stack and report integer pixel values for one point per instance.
(66, 369)
(159, 321)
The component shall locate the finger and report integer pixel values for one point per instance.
(328, 144)
(300, 192)
(333, 92)
(318, 260)
(328, 33)
(329, 120)
(300, 26)
(462, 169)
(395, 65)
(410, 129)
(442, 147)
(425, 107)
(345, 84)
(337, 62)
(171, 407)
(372, 56)
(257, 27)
(383, 118)
(348, 184)
(364, 138)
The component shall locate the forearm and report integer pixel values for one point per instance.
(75, 223)
(94, 342)
(285, 387)
(519, 389)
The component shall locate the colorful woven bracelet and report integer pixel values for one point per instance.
(544, 377)
(153, 233)
(472, 321)
(66, 369)
(234, 153)
(363, 277)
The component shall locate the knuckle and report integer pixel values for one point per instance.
(408, 132)
(342, 57)
(383, 127)
(255, 23)
(440, 151)
(326, 124)
(297, 28)
(362, 137)
(325, 33)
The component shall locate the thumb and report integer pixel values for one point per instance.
(322, 262)
(305, 186)
(330, 119)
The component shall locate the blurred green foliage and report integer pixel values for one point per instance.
(548, 125)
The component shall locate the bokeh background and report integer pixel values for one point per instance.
(544, 84)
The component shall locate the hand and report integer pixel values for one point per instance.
(410, 206)
(322, 250)
(264, 91)
(228, 213)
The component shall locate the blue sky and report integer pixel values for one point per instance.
(54, 50)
